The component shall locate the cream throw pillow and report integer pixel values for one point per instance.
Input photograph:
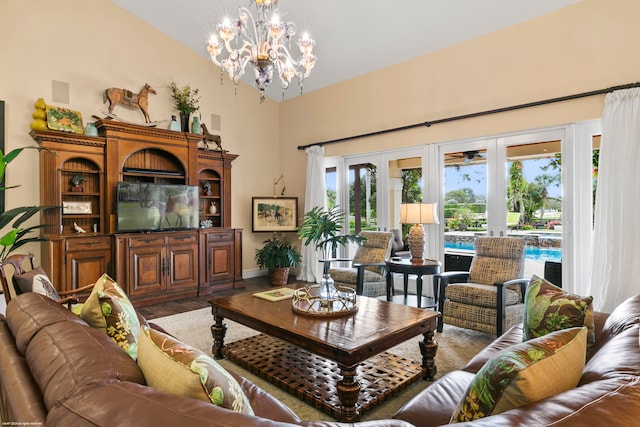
(177, 368)
(525, 373)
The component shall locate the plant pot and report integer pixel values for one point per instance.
(279, 276)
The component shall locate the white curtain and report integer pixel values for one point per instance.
(615, 274)
(315, 195)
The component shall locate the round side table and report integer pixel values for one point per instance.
(419, 267)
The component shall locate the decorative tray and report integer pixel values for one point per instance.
(309, 302)
(64, 119)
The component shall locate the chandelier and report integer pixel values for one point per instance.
(264, 41)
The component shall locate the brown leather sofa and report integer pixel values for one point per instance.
(58, 371)
(55, 369)
(608, 393)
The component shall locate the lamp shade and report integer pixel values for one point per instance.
(419, 213)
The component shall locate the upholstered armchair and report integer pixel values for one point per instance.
(492, 299)
(397, 245)
(367, 273)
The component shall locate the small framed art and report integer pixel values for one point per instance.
(274, 214)
(76, 207)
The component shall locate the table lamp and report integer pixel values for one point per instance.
(418, 214)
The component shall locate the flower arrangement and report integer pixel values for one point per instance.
(186, 99)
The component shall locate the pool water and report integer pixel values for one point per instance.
(530, 252)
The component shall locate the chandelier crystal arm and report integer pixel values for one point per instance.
(244, 15)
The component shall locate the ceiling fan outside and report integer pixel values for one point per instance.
(468, 156)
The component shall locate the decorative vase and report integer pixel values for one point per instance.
(40, 104)
(90, 129)
(184, 121)
(195, 125)
(213, 208)
(39, 116)
(327, 287)
(174, 125)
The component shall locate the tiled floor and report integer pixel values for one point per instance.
(194, 303)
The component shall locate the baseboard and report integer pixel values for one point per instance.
(256, 272)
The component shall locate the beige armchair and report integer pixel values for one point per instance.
(492, 300)
(367, 271)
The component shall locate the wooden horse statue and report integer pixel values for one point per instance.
(126, 97)
(211, 138)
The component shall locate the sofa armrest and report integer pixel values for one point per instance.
(513, 336)
(21, 399)
(263, 404)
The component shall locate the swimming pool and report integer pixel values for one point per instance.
(530, 252)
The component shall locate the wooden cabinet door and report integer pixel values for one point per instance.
(220, 256)
(86, 260)
(182, 261)
(147, 265)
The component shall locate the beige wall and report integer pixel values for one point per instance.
(580, 48)
(94, 44)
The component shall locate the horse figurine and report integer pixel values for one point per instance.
(211, 138)
(126, 97)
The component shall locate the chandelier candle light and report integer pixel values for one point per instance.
(418, 214)
(263, 41)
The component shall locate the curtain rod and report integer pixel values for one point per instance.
(478, 114)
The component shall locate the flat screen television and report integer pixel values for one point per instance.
(145, 206)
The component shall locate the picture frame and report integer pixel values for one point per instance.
(273, 214)
(76, 207)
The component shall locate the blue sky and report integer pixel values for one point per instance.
(531, 168)
(454, 181)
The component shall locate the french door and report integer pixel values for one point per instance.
(505, 186)
(553, 212)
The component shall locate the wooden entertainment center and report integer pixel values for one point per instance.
(152, 266)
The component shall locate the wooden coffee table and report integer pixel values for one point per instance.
(350, 340)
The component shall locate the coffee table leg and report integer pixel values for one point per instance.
(428, 349)
(348, 393)
(218, 330)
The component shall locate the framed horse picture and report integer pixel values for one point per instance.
(274, 214)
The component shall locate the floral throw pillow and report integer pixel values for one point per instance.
(177, 368)
(548, 308)
(109, 309)
(525, 373)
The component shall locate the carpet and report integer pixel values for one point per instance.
(456, 346)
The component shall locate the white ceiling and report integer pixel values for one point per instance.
(353, 37)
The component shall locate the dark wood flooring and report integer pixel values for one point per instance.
(194, 303)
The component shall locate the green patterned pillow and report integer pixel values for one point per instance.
(548, 308)
(177, 368)
(109, 309)
(525, 373)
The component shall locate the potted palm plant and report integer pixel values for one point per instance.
(14, 218)
(321, 227)
(277, 255)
